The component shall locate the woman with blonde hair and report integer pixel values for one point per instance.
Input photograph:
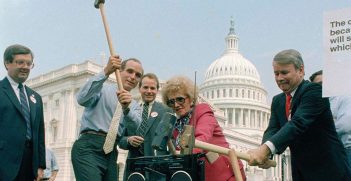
(180, 94)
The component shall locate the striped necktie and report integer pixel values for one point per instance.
(25, 110)
(143, 125)
(145, 115)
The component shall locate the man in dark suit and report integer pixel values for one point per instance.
(22, 143)
(301, 119)
(152, 112)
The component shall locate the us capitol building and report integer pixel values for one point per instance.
(232, 88)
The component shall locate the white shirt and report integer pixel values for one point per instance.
(150, 106)
(15, 88)
(341, 110)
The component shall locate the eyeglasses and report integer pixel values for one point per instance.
(179, 100)
(22, 63)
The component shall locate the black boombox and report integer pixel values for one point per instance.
(166, 168)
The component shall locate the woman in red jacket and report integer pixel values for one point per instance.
(179, 93)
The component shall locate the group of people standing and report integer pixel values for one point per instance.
(300, 119)
(139, 120)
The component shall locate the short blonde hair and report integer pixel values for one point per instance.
(179, 84)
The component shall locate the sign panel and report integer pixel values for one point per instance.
(337, 53)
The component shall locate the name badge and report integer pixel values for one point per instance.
(32, 98)
(154, 114)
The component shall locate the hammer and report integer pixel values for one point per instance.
(163, 133)
(99, 4)
(186, 141)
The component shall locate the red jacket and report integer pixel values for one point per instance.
(208, 130)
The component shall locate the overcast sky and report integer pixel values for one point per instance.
(170, 37)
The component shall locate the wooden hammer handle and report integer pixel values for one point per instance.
(171, 147)
(225, 151)
(109, 41)
(234, 162)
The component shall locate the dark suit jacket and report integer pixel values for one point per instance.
(157, 111)
(13, 131)
(316, 151)
(152, 124)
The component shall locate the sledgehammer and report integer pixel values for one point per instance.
(99, 4)
(187, 142)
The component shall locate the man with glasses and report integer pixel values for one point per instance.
(22, 143)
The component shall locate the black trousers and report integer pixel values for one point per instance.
(90, 162)
(26, 170)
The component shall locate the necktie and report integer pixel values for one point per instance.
(112, 131)
(25, 110)
(144, 117)
(142, 128)
(287, 105)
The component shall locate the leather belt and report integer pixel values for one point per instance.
(99, 133)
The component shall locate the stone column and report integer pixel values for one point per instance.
(71, 114)
(256, 119)
(242, 117)
(234, 117)
(227, 116)
(262, 120)
(249, 118)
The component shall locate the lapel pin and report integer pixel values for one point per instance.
(32, 98)
(154, 114)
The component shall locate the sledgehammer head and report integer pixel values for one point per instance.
(164, 131)
(97, 2)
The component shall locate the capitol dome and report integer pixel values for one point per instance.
(232, 64)
(232, 83)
